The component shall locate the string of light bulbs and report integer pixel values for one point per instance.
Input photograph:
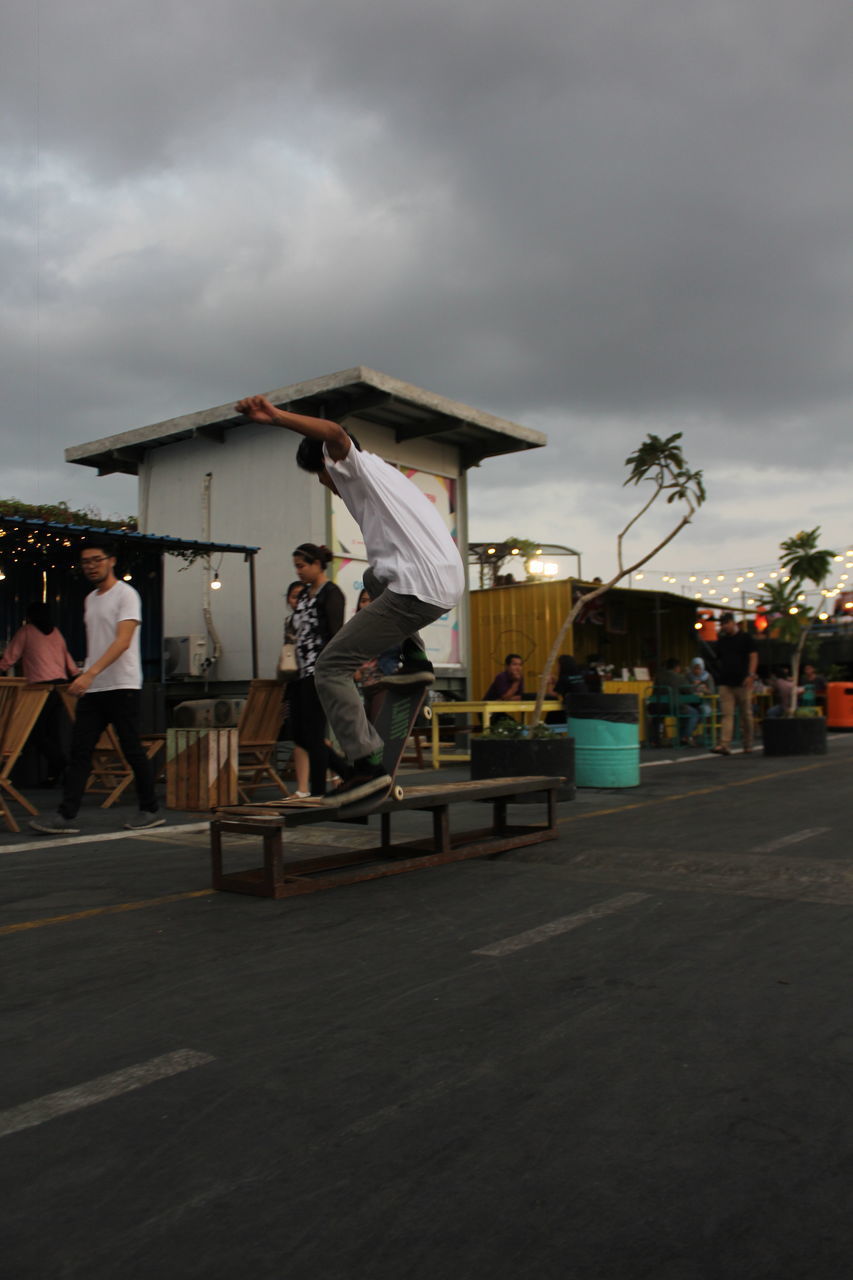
(743, 581)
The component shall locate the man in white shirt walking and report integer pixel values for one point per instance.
(416, 574)
(108, 690)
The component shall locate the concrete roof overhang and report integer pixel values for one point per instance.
(410, 412)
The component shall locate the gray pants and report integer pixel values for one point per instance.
(388, 620)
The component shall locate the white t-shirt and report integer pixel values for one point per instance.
(408, 544)
(102, 614)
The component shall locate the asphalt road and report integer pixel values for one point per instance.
(624, 1054)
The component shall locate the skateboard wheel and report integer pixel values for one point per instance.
(427, 713)
(398, 792)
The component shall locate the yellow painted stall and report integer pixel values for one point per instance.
(625, 628)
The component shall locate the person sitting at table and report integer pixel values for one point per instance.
(814, 686)
(782, 686)
(569, 679)
(703, 686)
(591, 673)
(508, 685)
(682, 702)
(40, 648)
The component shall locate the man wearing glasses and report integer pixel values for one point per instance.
(108, 692)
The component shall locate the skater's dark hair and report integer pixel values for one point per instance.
(310, 456)
(510, 656)
(312, 554)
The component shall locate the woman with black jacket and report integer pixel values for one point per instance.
(318, 615)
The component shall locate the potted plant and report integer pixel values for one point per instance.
(509, 749)
(798, 731)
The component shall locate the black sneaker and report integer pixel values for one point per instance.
(365, 779)
(142, 820)
(56, 825)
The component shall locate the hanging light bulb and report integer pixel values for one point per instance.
(216, 585)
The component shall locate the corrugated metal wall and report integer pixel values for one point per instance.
(525, 619)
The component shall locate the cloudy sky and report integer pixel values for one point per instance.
(598, 219)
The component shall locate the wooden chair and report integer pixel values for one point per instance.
(111, 774)
(20, 706)
(257, 733)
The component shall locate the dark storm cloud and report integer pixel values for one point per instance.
(600, 219)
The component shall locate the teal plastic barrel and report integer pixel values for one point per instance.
(607, 739)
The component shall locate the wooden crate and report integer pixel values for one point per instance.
(201, 768)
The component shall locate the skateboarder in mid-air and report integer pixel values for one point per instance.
(415, 576)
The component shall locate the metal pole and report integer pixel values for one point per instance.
(253, 613)
(657, 634)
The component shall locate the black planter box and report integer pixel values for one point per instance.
(797, 736)
(525, 757)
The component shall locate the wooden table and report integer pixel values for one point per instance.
(485, 710)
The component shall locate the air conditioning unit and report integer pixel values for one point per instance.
(195, 715)
(185, 655)
(226, 711)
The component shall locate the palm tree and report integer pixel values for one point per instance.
(661, 462)
(805, 562)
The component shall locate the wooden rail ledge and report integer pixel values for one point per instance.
(283, 876)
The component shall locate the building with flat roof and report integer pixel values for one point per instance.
(212, 476)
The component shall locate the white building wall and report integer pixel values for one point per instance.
(258, 497)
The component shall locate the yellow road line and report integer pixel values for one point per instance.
(579, 817)
(688, 795)
(104, 911)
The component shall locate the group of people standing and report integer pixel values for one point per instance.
(106, 689)
(316, 614)
(414, 576)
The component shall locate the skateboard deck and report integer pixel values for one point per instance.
(393, 711)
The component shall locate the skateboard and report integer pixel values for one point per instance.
(393, 711)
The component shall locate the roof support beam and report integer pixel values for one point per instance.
(434, 425)
(214, 431)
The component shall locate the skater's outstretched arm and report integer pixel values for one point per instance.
(260, 409)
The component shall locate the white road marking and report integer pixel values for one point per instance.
(563, 925)
(796, 837)
(39, 842)
(30, 1114)
(688, 759)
